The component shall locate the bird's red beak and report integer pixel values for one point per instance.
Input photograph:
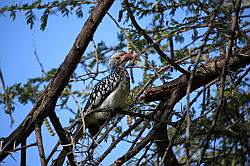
(130, 56)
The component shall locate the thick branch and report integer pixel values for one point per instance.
(175, 90)
(47, 101)
(203, 75)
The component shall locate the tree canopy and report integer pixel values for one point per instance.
(189, 100)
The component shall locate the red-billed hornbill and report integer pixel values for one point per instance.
(110, 93)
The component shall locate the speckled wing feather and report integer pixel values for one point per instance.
(101, 91)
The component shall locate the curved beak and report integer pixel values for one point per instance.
(130, 56)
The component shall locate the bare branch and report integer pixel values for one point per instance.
(136, 149)
(63, 138)
(124, 134)
(36, 54)
(23, 153)
(39, 142)
(205, 73)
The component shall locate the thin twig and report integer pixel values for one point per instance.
(36, 54)
(144, 154)
(190, 81)
(22, 147)
(136, 149)
(9, 102)
(125, 133)
(53, 151)
(138, 136)
(148, 38)
(222, 79)
(201, 91)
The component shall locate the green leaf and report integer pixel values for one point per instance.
(44, 19)
(79, 12)
(30, 18)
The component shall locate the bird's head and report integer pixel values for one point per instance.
(119, 59)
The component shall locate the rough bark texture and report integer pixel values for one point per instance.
(205, 74)
(47, 101)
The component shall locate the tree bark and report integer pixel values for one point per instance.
(204, 74)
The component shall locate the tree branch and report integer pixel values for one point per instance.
(154, 135)
(46, 103)
(39, 142)
(62, 136)
(23, 153)
(222, 80)
(150, 136)
(203, 75)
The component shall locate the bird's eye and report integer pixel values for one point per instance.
(118, 58)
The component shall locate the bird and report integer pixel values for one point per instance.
(109, 93)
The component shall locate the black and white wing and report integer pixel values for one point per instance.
(101, 91)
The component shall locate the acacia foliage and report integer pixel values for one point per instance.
(210, 125)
